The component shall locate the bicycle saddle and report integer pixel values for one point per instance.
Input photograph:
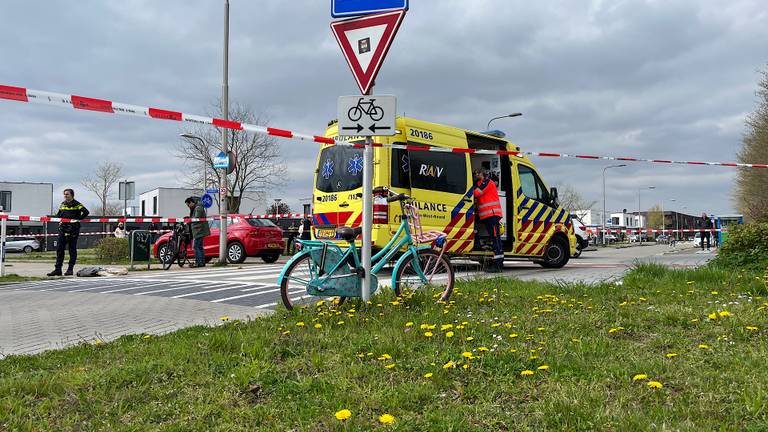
(349, 234)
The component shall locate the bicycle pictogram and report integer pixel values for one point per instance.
(368, 108)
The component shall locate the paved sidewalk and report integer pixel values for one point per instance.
(31, 322)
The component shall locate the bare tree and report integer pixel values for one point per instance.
(259, 165)
(114, 208)
(572, 200)
(102, 182)
(752, 184)
(278, 208)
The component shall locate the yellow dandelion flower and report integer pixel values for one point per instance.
(703, 346)
(340, 323)
(428, 334)
(98, 342)
(639, 377)
(712, 316)
(695, 320)
(389, 366)
(513, 335)
(670, 355)
(690, 282)
(445, 327)
(286, 333)
(543, 367)
(467, 354)
(369, 354)
(320, 303)
(386, 419)
(494, 325)
(318, 326)
(409, 324)
(541, 329)
(655, 384)
(751, 328)
(482, 349)
(428, 375)
(300, 324)
(469, 338)
(512, 350)
(465, 366)
(147, 336)
(449, 334)
(224, 318)
(714, 293)
(724, 314)
(613, 330)
(526, 372)
(343, 414)
(450, 364)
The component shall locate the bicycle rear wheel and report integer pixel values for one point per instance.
(437, 269)
(293, 288)
(182, 254)
(168, 253)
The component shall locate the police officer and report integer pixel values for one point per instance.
(68, 232)
(488, 210)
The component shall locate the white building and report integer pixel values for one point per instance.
(169, 202)
(589, 217)
(26, 199)
(628, 220)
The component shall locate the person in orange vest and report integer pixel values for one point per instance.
(488, 211)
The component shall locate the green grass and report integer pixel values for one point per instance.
(9, 278)
(276, 375)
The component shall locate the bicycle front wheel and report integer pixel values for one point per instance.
(436, 269)
(293, 288)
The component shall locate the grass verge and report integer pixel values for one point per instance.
(10, 278)
(667, 349)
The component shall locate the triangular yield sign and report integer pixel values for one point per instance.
(365, 42)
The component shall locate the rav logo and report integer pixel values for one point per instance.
(431, 171)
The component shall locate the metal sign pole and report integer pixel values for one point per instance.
(367, 217)
(2, 246)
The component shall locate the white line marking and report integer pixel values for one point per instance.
(245, 295)
(206, 292)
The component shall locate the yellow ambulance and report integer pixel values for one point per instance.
(534, 226)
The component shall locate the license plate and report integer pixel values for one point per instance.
(326, 233)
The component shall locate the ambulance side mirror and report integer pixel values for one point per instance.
(554, 197)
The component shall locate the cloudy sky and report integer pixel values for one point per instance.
(657, 79)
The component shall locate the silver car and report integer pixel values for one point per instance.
(26, 245)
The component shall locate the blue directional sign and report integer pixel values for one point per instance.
(207, 201)
(212, 191)
(221, 161)
(350, 8)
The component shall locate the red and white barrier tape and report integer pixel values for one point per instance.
(145, 219)
(22, 94)
(81, 234)
(646, 230)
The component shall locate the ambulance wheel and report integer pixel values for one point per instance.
(556, 254)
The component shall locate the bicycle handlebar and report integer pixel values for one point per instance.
(391, 196)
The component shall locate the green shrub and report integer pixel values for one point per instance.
(112, 249)
(746, 247)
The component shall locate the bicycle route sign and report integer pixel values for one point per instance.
(367, 115)
(207, 201)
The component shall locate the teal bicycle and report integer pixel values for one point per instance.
(323, 269)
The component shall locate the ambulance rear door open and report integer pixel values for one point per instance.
(500, 172)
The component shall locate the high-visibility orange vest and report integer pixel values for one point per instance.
(488, 203)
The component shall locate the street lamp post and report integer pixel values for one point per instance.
(225, 112)
(603, 218)
(639, 216)
(488, 127)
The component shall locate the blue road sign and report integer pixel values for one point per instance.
(212, 191)
(350, 8)
(207, 200)
(221, 161)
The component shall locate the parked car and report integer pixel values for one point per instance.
(26, 245)
(662, 239)
(245, 238)
(611, 238)
(582, 238)
(638, 237)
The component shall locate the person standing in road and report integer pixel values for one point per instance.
(69, 232)
(305, 229)
(705, 225)
(488, 210)
(200, 230)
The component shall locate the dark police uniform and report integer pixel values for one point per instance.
(69, 232)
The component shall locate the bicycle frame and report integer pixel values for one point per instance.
(403, 237)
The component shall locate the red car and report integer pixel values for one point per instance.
(245, 238)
